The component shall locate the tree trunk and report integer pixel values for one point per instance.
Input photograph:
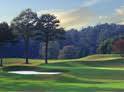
(46, 52)
(1, 61)
(26, 51)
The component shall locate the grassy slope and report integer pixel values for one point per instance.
(81, 75)
(102, 57)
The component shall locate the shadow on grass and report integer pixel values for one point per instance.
(110, 63)
(118, 63)
(31, 68)
(54, 87)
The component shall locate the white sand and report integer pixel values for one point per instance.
(33, 72)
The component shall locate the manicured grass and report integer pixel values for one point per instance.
(79, 75)
(33, 62)
(102, 57)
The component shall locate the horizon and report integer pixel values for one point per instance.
(72, 14)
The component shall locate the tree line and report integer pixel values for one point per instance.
(54, 41)
(87, 41)
(27, 25)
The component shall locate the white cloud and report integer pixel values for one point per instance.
(88, 3)
(75, 18)
(103, 17)
(116, 17)
(121, 23)
(83, 17)
(120, 15)
(120, 11)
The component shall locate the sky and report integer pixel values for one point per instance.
(71, 13)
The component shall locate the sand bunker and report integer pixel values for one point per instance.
(33, 72)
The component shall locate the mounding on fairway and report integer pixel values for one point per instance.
(78, 75)
(102, 57)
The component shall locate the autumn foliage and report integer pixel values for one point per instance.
(118, 46)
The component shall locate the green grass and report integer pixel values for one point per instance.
(96, 73)
(102, 57)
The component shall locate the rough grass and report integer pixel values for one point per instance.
(79, 75)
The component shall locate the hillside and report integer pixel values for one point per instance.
(79, 40)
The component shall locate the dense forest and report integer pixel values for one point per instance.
(77, 43)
